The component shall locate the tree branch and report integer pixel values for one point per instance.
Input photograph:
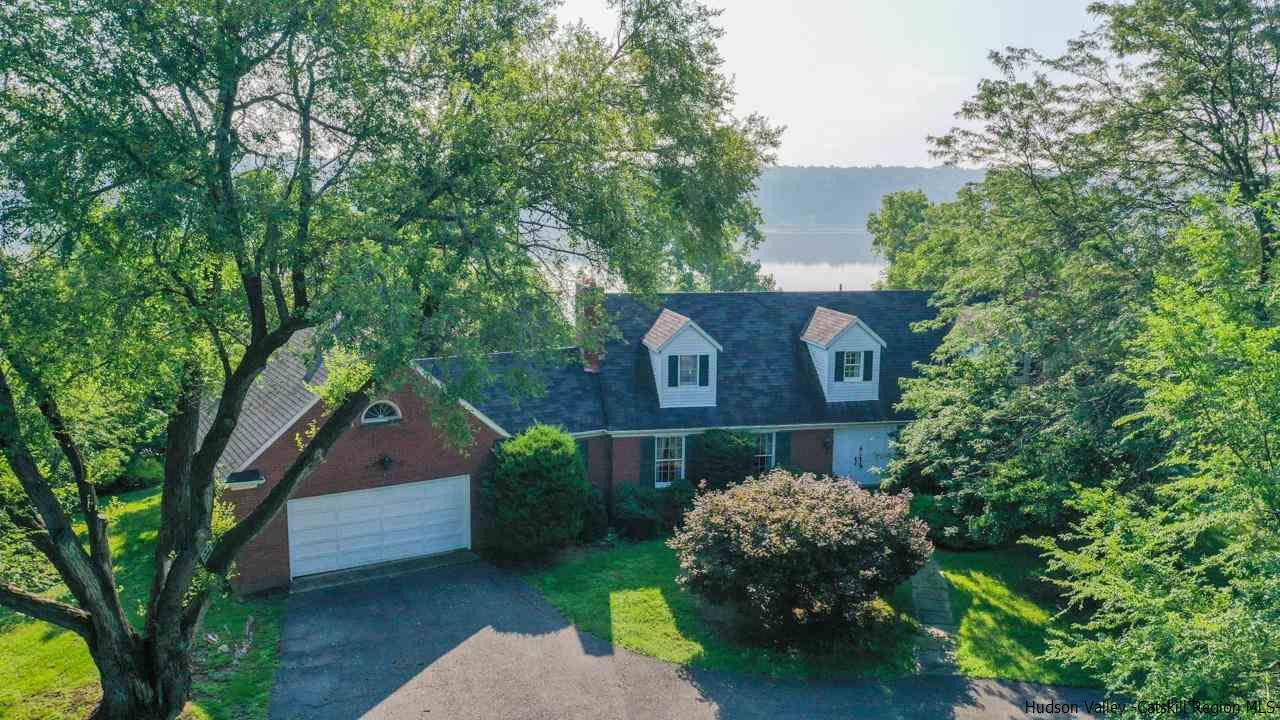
(225, 549)
(175, 502)
(60, 614)
(99, 544)
(93, 587)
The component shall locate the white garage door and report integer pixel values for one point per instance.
(350, 529)
(861, 453)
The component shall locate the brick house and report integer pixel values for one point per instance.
(815, 375)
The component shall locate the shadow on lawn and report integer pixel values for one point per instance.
(1003, 618)
(628, 596)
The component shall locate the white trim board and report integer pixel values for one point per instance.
(280, 433)
(494, 426)
(857, 323)
(689, 323)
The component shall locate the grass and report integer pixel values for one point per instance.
(628, 596)
(51, 676)
(1004, 616)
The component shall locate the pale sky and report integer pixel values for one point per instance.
(863, 82)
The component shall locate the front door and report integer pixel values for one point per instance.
(861, 453)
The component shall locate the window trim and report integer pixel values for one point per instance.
(658, 460)
(772, 454)
(366, 420)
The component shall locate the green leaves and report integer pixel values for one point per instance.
(201, 185)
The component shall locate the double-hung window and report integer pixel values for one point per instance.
(668, 464)
(852, 366)
(688, 370)
(766, 449)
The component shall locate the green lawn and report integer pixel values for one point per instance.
(1003, 623)
(628, 595)
(48, 672)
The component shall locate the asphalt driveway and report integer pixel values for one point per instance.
(472, 641)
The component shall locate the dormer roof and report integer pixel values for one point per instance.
(825, 325)
(667, 326)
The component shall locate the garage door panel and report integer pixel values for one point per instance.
(343, 530)
(304, 519)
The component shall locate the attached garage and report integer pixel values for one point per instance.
(365, 527)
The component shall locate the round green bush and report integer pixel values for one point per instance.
(538, 493)
(721, 458)
(793, 552)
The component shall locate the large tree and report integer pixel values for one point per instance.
(1108, 383)
(1180, 582)
(189, 188)
(1051, 261)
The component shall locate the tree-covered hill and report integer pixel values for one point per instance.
(807, 196)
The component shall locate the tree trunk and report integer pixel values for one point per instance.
(140, 681)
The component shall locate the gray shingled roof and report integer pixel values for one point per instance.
(571, 400)
(765, 374)
(280, 394)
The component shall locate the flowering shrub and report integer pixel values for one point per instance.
(794, 551)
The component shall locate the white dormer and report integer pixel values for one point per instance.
(846, 354)
(684, 361)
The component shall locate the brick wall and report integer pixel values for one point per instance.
(626, 461)
(811, 450)
(417, 452)
(600, 465)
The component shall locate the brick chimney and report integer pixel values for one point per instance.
(588, 302)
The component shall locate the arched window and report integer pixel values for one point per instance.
(382, 411)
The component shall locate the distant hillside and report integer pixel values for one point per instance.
(807, 196)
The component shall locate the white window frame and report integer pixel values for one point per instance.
(856, 376)
(680, 370)
(771, 455)
(659, 462)
(366, 420)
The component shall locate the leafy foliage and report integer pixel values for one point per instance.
(1136, 429)
(538, 493)
(595, 519)
(628, 595)
(142, 471)
(644, 511)
(187, 190)
(721, 458)
(1183, 579)
(796, 553)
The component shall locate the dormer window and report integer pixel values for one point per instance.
(380, 412)
(856, 365)
(684, 360)
(852, 366)
(846, 354)
(688, 370)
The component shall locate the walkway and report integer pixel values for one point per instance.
(929, 593)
